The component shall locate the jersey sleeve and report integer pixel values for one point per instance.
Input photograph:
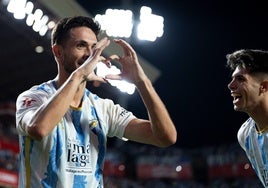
(26, 105)
(113, 117)
(243, 133)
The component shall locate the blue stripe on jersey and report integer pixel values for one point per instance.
(248, 143)
(79, 180)
(265, 145)
(101, 138)
(44, 87)
(260, 142)
(76, 116)
(54, 160)
(255, 144)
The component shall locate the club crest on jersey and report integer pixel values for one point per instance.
(93, 124)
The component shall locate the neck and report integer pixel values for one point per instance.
(262, 130)
(260, 116)
(77, 99)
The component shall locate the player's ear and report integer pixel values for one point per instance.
(264, 86)
(57, 51)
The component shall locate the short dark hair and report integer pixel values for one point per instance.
(252, 60)
(61, 31)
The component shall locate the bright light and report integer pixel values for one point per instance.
(121, 167)
(17, 7)
(39, 49)
(51, 24)
(179, 168)
(246, 166)
(29, 8)
(30, 20)
(37, 20)
(11, 7)
(43, 30)
(38, 14)
(116, 22)
(102, 70)
(37, 17)
(150, 26)
(119, 23)
(44, 27)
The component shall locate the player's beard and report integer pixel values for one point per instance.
(70, 66)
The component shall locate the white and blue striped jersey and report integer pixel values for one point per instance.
(72, 155)
(256, 147)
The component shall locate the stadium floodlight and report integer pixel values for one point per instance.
(151, 26)
(18, 8)
(37, 20)
(116, 22)
(119, 23)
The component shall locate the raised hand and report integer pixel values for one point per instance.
(89, 65)
(131, 68)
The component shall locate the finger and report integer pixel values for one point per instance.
(96, 56)
(100, 79)
(114, 57)
(101, 59)
(107, 63)
(96, 78)
(113, 76)
(102, 43)
(128, 50)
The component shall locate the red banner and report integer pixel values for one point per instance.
(11, 145)
(147, 171)
(8, 178)
(231, 170)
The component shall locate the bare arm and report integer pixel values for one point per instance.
(159, 130)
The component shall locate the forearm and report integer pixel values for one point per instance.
(50, 113)
(162, 125)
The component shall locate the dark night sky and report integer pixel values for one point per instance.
(191, 56)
